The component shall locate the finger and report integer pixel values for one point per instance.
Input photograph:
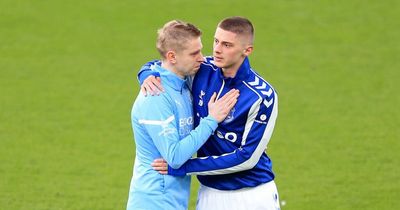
(229, 94)
(160, 168)
(152, 89)
(163, 172)
(236, 94)
(155, 83)
(143, 89)
(158, 84)
(231, 104)
(226, 99)
(150, 85)
(158, 164)
(231, 100)
(159, 160)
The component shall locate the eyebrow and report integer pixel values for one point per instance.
(224, 42)
(195, 52)
(227, 43)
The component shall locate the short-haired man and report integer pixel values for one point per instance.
(232, 166)
(163, 125)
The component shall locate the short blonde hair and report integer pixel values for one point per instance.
(174, 35)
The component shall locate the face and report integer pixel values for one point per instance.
(188, 60)
(229, 49)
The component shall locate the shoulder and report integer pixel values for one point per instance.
(147, 104)
(259, 86)
(208, 63)
(207, 68)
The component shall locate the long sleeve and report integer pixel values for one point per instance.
(159, 121)
(257, 133)
(147, 70)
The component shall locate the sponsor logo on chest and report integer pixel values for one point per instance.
(185, 125)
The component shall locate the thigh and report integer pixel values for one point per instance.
(212, 199)
(263, 197)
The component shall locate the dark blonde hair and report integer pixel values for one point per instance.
(238, 25)
(174, 35)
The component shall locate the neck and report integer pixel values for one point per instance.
(170, 67)
(230, 71)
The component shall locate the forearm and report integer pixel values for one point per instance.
(244, 157)
(182, 150)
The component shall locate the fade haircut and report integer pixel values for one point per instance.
(174, 35)
(238, 25)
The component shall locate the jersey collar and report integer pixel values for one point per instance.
(242, 73)
(171, 79)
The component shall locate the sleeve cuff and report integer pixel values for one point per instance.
(177, 172)
(211, 121)
(144, 74)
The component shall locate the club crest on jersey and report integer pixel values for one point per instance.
(202, 93)
(230, 116)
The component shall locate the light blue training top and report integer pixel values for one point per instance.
(163, 128)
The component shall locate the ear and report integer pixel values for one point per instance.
(248, 50)
(171, 57)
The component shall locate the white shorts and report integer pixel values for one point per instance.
(262, 197)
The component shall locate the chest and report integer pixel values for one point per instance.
(183, 110)
(203, 89)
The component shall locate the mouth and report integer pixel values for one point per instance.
(216, 58)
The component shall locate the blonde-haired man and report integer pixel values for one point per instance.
(163, 125)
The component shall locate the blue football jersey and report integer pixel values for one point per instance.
(235, 156)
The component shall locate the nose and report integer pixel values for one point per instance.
(200, 58)
(217, 48)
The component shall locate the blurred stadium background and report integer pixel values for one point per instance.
(68, 80)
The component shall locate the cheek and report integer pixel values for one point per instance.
(190, 63)
(236, 53)
(231, 54)
(194, 60)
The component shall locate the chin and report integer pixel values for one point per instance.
(194, 71)
(219, 64)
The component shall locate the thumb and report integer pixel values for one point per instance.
(213, 97)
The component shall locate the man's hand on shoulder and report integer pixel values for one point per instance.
(152, 85)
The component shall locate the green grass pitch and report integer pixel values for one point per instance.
(68, 81)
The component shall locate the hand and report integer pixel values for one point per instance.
(152, 85)
(220, 108)
(160, 165)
